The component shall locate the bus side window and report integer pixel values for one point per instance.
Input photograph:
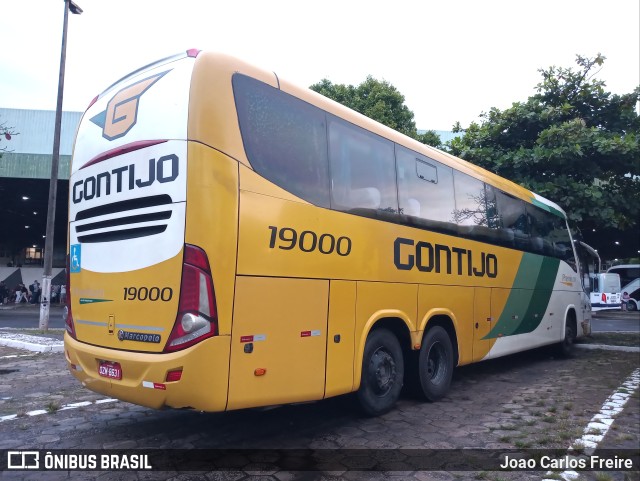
(284, 139)
(513, 220)
(425, 190)
(540, 225)
(471, 207)
(362, 169)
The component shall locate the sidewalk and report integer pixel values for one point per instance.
(32, 339)
(47, 342)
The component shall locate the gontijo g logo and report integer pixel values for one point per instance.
(122, 110)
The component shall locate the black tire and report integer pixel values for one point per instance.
(435, 363)
(567, 347)
(632, 306)
(382, 373)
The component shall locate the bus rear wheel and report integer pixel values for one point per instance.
(382, 373)
(567, 347)
(435, 363)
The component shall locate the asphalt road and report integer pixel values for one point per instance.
(29, 317)
(615, 321)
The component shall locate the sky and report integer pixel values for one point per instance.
(451, 59)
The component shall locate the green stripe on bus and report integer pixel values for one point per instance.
(548, 208)
(529, 298)
(540, 297)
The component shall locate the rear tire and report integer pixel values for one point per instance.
(567, 347)
(632, 305)
(382, 373)
(435, 363)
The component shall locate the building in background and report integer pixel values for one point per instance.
(25, 170)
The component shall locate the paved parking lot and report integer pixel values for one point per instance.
(527, 401)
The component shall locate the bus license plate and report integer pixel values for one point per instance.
(112, 370)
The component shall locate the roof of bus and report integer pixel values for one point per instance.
(235, 65)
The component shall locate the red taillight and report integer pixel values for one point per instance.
(197, 314)
(604, 297)
(68, 318)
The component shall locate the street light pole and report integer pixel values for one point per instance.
(53, 181)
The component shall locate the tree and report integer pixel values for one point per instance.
(572, 142)
(6, 133)
(380, 101)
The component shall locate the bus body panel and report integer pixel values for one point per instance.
(212, 100)
(203, 384)
(279, 340)
(456, 303)
(292, 239)
(150, 104)
(483, 323)
(376, 301)
(212, 210)
(340, 337)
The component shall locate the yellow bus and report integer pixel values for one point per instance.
(236, 241)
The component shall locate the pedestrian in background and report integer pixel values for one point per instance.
(625, 300)
(4, 293)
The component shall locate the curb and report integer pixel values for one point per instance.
(31, 343)
(608, 348)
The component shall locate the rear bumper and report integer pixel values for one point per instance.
(203, 385)
(599, 306)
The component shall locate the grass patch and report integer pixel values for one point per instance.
(544, 441)
(522, 444)
(578, 447)
(52, 407)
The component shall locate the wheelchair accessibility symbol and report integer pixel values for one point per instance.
(75, 258)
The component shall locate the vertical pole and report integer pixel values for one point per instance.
(53, 185)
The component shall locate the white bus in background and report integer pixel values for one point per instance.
(605, 291)
(630, 280)
(603, 288)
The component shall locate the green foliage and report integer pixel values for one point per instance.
(380, 101)
(572, 142)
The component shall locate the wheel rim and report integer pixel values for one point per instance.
(382, 371)
(436, 365)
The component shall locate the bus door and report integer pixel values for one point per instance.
(278, 341)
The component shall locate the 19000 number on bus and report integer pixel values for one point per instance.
(148, 294)
(308, 241)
